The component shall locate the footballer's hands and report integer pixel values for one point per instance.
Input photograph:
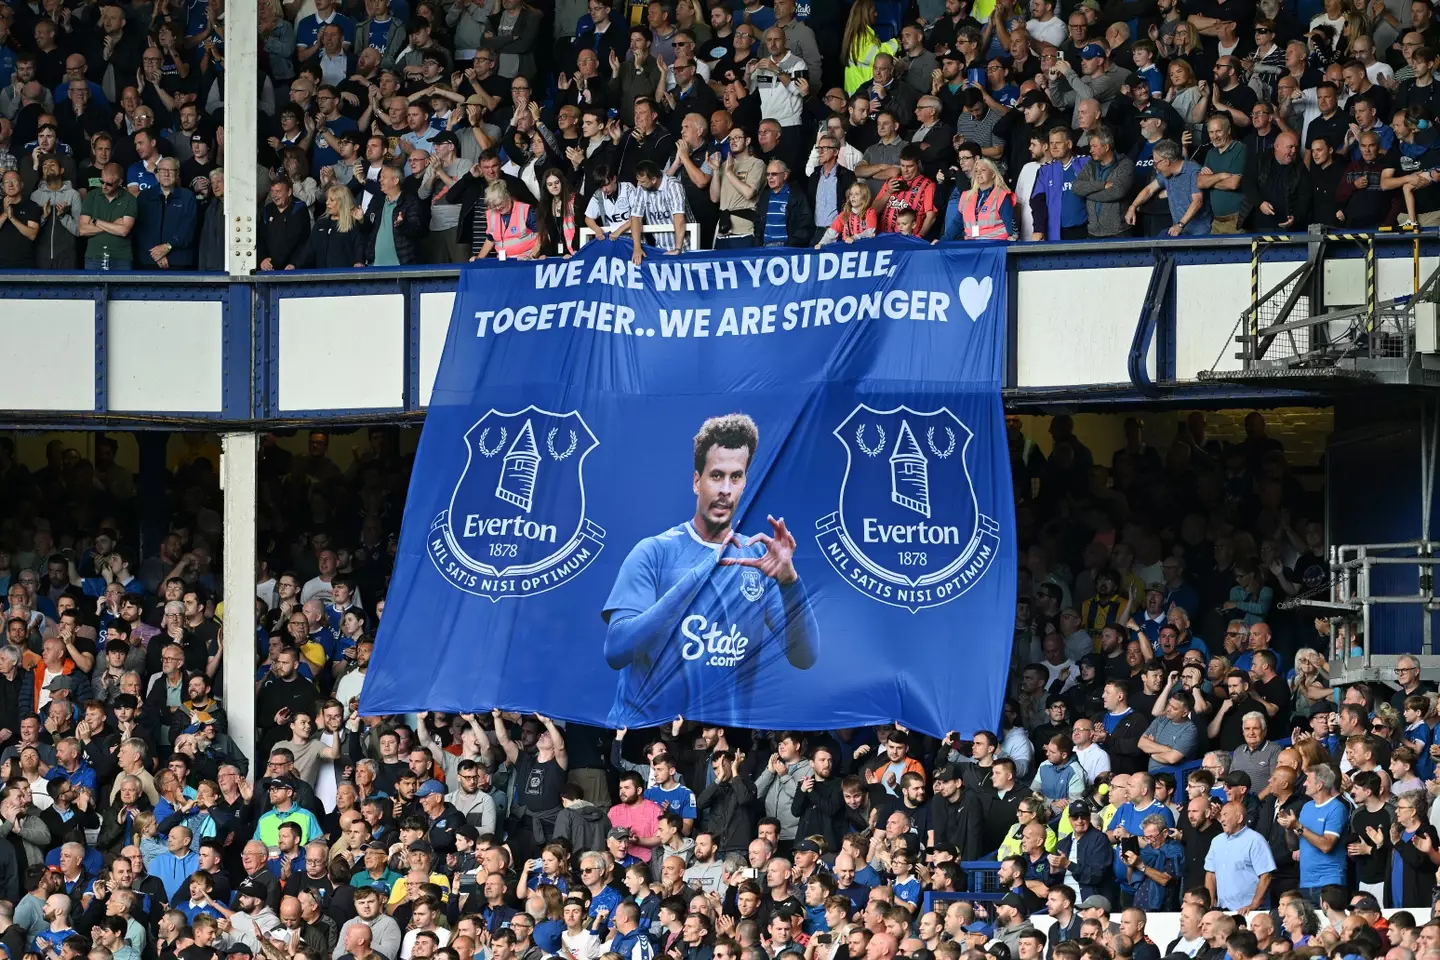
(778, 563)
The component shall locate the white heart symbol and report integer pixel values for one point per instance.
(975, 296)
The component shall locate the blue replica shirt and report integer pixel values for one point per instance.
(47, 938)
(690, 635)
(607, 899)
(1321, 869)
(908, 890)
(307, 30)
(1072, 207)
(679, 800)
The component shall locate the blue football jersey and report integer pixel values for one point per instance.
(720, 622)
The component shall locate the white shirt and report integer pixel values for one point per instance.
(1024, 186)
(1189, 947)
(1051, 31)
(1093, 760)
(779, 101)
(1055, 669)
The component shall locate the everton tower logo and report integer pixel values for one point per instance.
(909, 531)
(516, 524)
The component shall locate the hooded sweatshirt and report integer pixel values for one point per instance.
(56, 245)
(584, 825)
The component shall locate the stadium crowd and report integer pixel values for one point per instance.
(438, 132)
(1137, 768)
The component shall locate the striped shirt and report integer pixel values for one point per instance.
(982, 131)
(655, 208)
(775, 229)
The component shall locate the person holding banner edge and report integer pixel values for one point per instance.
(679, 597)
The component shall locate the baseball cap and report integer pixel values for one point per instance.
(1095, 902)
(806, 846)
(251, 888)
(430, 788)
(274, 782)
(951, 55)
(1237, 778)
(239, 948)
(1153, 587)
(445, 136)
(947, 771)
(475, 100)
(60, 682)
(377, 845)
(1081, 809)
(1365, 902)
(1091, 50)
(1013, 900)
(1031, 99)
(998, 950)
(1153, 110)
(980, 926)
(420, 846)
(618, 833)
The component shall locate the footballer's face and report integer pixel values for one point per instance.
(719, 486)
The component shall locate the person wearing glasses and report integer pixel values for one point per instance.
(107, 216)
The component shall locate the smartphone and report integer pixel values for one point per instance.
(1129, 845)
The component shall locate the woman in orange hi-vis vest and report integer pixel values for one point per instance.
(510, 226)
(984, 212)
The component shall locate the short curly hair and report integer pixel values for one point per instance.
(732, 431)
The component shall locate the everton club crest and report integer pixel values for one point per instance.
(516, 525)
(909, 531)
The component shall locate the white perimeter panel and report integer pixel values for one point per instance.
(164, 356)
(54, 341)
(1075, 326)
(435, 310)
(1209, 298)
(342, 353)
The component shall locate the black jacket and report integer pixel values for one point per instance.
(822, 811)
(329, 249)
(211, 239)
(962, 823)
(799, 218)
(725, 812)
(408, 226)
(1123, 744)
(283, 236)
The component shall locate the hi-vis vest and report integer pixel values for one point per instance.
(516, 239)
(986, 223)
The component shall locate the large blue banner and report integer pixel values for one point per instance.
(767, 489)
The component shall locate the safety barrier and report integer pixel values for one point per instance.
(352, 345)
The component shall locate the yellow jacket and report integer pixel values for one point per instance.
(860, 67)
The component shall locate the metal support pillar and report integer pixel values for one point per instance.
(242, 113)
(238, 458)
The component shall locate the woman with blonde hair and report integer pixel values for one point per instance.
(984, 212)
(860, 46)
(337, 239)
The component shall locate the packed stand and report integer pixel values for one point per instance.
(1137, 768)
(400, 133)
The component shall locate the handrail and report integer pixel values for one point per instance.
(1150, 313)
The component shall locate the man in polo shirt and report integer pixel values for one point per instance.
(1171, 739)
(107, 216)
(1222, 176)
(1239, 866)
(141, 175)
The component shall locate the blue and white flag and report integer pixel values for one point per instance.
(768, 489)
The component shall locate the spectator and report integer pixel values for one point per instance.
(829, 185)
(167, 221)
(59, 203)
(337, 240)
(1059, 213)
(909, 190)
(1170, 739)
(107, 215)
(1226, 161)
(985, 211)
(284, 229)
(1187, 200)
(1239, 866)
(860, 47)
(881, 160)
(19, 223)
(656, 200)
(1278, 188)
(1319, 826)
(1104, 184)
(782, 215)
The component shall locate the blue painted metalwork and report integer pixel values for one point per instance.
(1145, 330)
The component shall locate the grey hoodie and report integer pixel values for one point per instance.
(686, 852)
(778, 794)
(1010, 936)
(583, 824)
(55, 246)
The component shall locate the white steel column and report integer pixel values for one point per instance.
(238, 458)
(242, 112)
